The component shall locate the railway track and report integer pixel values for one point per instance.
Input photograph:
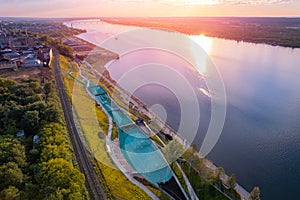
(92, 182)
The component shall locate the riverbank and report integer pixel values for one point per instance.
(283, 32)
(253, 119)
(143, 110)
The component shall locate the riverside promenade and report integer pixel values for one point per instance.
(167, 130)
(119, 158)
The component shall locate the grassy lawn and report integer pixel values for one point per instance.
(203, 189)
(65, 65)
(180, 177)
(156, 140)
(114, 132)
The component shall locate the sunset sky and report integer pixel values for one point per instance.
(101, 8)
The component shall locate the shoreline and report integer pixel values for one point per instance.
(167, 130)
(244, 194)
(234, 29)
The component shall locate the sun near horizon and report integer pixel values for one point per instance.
(149, 8)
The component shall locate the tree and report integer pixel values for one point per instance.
(10, 193)
(34, 102)
(53, 133)
(255, 194)
(54, 151)
(48, 88)
(58, 179)
(52, 114)
(35, 85)
(11, 150)
(220, 173)
(231, 181)
(10, 175)
(16, 112)
(43, 37)
(30, 121)
(22, 91)
(33, 156)
(5, 85)
(31, 191)
(8, 126)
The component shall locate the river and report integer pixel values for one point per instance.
(260, 141)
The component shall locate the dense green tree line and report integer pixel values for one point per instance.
(274, 31)
(61, 47)
(58, 44)
(24, 107)
(40, 170)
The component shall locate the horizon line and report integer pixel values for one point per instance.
(225, 16)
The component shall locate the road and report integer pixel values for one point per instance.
(92, 182)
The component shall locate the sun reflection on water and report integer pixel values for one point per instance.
(201, 57)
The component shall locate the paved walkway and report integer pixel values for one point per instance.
(116, 151)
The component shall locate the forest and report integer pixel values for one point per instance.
(36, 160)
(273, 31)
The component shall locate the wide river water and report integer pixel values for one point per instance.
(260, 141)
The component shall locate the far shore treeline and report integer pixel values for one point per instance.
(283, 32)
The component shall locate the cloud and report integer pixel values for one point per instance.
(131, 7)
(254, 2)
(208, 2)
(170, 2)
